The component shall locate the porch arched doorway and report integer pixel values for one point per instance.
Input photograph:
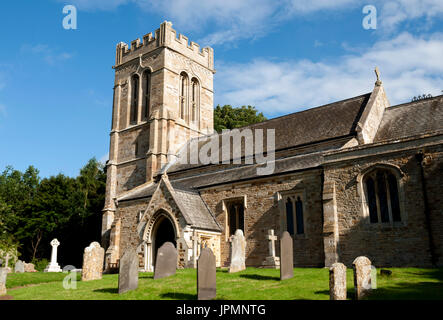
(163, 232)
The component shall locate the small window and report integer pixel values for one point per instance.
(382, 199)
(294, 213)
(195, 98)
(289, 216)
(146, 94)
(183, 100)
(134, 99)
(236, 217)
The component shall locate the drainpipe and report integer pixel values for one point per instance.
(419, 157)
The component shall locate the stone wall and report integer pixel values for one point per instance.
(263, 212)
(385, 244)
(433, 172)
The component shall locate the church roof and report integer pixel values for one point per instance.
(411, 119)
(320, 124)
(191, 205)
(194, 207)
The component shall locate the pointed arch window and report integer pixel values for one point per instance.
(382, 196)
(135, 83)
(195, 100)
(294, 215)
(146, 94)
(183, 99)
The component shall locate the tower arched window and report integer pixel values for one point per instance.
(382, 196)
(135, 84)
(195, 100)
(146, 94)
(183, 99)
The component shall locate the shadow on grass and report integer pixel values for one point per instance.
(179, 296)
(146, 276)
(408, 291)
(258, 277)
(107, 290)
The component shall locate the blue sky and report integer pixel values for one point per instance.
(281, 56)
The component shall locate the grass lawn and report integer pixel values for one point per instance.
(250, 284)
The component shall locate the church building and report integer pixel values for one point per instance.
(353, 177)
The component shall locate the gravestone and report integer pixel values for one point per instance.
(68, 268)
(362, 277)
(128, 272)
(3, 275)
(166, 262)
(271, 261)
(238, 252)
(29, 267)
(206, 275)
(53, 265)
(286, 257)
(19, 267)
(93, 259)
(337, 282)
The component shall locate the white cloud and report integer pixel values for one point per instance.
(393, 13)
(48, 54)
(409, 66)
(104, 158)
(235, 20)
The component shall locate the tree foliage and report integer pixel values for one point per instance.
(228, 117)
(33, 211)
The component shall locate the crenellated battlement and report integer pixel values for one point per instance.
(165, 36)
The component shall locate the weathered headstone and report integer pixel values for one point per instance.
(29, 267)
(3, 275)
(68, 268)
(19, 267)
(128, 272)
(286, 257)
(337, 282)
(166, 262)
(93, 259)
(238, 252)
(53, 265)
(362, 277)
(206, 275)
(271, 261)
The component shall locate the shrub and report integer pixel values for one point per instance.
(40, 264)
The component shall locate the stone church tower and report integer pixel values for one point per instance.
(163, 96)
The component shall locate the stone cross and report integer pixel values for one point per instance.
(377, 73)
(272, 238)
(53, 265)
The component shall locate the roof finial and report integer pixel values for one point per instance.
(377, 73)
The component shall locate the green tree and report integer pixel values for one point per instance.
(227, 117)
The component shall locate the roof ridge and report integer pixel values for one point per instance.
(405, 104)
(305, 110)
